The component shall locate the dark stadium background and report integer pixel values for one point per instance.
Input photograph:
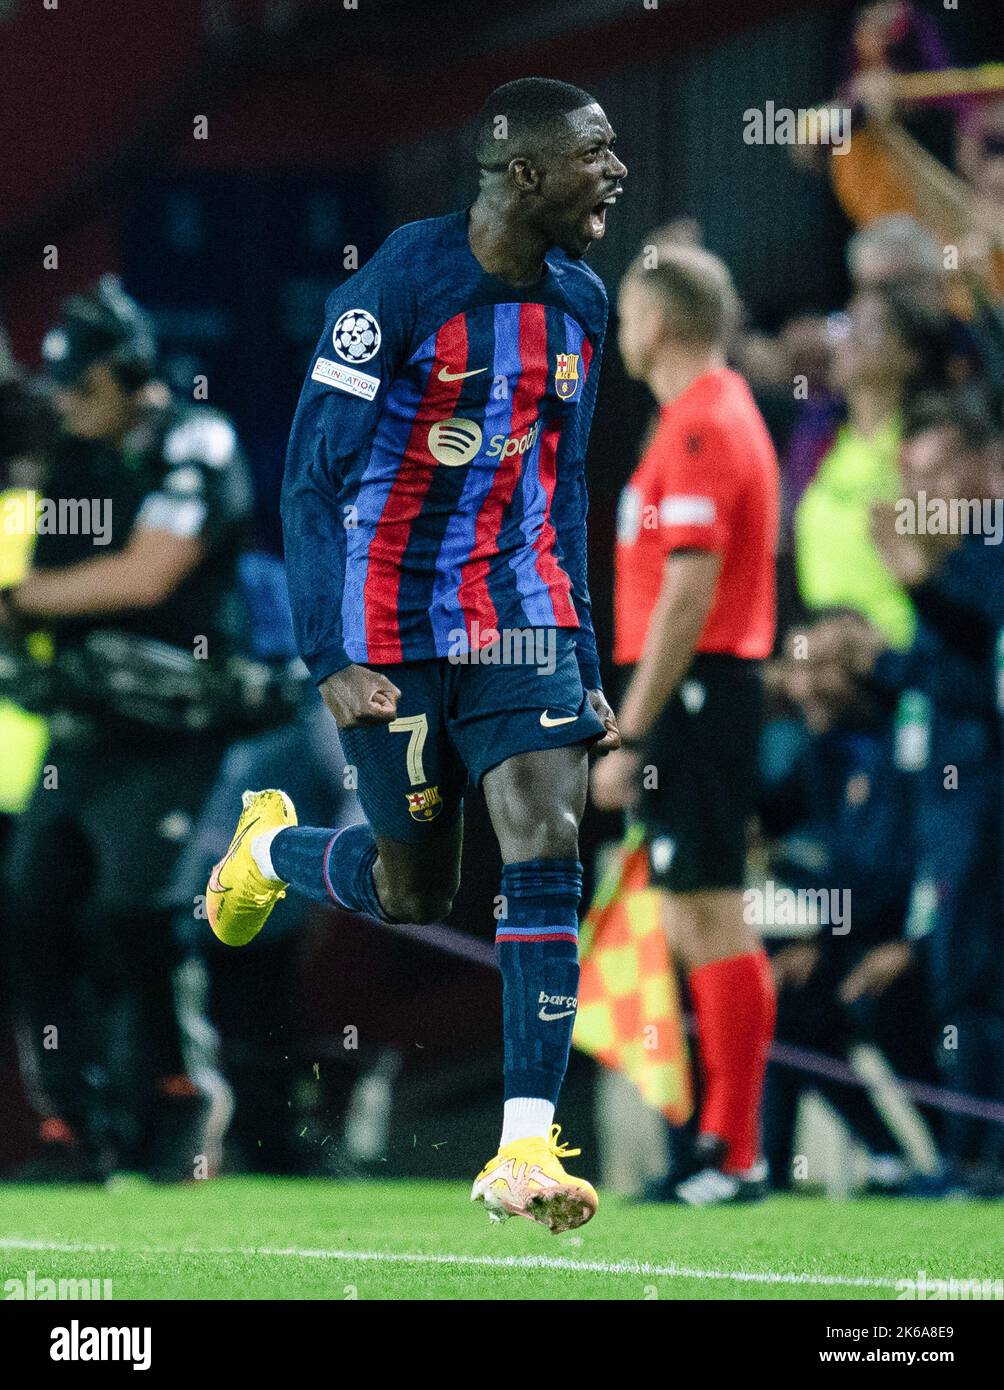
(329, 127)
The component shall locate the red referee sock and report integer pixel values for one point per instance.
(735, 1005)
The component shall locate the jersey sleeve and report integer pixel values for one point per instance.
(205, 491)
(367, 335)
(693, 489)
(569, 509)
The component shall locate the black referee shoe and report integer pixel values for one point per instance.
(713, 1188)
(700, 1181)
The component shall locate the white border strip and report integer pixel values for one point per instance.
(501, 1262)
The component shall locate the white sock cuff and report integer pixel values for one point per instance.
(526, 1117)
(261, 852)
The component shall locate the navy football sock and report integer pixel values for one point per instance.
(536, 946)
(330, 866)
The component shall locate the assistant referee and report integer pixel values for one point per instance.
(695, 617)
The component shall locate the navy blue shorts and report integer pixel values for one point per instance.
(458, 719)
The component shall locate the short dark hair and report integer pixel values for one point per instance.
(930, 334)
(531, 111)
(696, 290)
(966, 411)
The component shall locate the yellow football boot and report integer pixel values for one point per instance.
(239, 897)
(526, 1179)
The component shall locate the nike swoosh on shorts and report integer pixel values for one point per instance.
(547, 722)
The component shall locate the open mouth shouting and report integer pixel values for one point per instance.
(596, 218)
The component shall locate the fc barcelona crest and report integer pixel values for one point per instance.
(425, 804)
(566, 375)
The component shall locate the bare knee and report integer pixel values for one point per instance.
(530, 826)
(418, 895)
(523, 836)
(417, 883)
(536, 801)
(416, 905)
(707, 926)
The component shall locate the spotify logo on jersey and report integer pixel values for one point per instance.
(455, 441)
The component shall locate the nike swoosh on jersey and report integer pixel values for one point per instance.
(548, 722)
(550, 1018)
(446, 375)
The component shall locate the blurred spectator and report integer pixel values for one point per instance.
(908, 136)
(898, 254)
(885, 350)
(948, 743)
(807, 346)
(839, 814)
(897, 251)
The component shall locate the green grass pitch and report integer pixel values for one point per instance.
(284, 1238)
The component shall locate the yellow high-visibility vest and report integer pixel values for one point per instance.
(23, 737)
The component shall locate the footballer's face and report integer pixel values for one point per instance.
(579, 179)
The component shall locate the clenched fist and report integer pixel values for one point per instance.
(356, 695)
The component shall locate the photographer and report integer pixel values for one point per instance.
(136, 585)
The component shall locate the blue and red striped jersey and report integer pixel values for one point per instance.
(435, 490)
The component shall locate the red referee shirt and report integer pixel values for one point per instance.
(707, 481)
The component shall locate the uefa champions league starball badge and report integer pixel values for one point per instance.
(356, 336)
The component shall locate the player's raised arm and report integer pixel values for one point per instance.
(368, 322)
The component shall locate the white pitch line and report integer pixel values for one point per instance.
(638, 1268)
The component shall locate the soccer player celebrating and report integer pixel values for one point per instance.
(694, 610)
(434, 509)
